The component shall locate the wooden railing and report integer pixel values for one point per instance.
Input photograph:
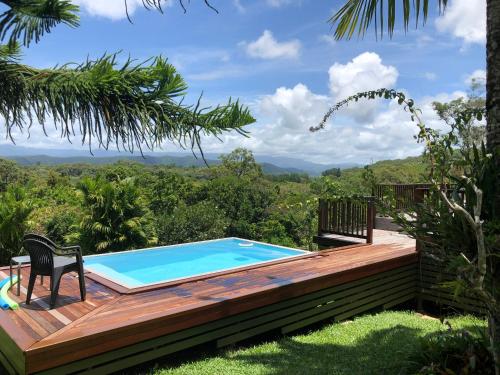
(350, 217)
(403, 195)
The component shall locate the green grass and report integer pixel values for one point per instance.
(371, 344)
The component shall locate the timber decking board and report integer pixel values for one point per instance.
(70, 331)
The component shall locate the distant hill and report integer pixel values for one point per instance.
(398, 171)
(270, 164)
(182, 161)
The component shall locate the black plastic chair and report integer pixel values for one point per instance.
(46, 260)
(48, 241)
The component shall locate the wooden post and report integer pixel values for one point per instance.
(320, 215)
(419, 199)
(370, 217)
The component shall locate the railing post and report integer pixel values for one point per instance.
(320, 216)
(370, 220)
(418, 199)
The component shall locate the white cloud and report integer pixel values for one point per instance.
(465, 19)
(430, 76)
(285, 116)
(112, 9)
(294, 108)
(239, 6)
(364, 72)
(328, 39)
(267, 47)
(476, 75)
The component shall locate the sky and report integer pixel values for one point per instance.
(280, 59)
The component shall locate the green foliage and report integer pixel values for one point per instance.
(199, 222)
(10, 174)
(15, 208)
(61, 223)
(240, 163)
(167, 192)
(336, 172)
(326, 187)
(273, 231)
(115, 217)
(244, 203)
(455, 351)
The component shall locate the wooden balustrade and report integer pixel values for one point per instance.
(402, 194)
(349, 217)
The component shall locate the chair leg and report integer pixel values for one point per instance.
(31, 284)
(81, 280)
(55, 281)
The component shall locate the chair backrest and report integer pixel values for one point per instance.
(39, 237)
(41, 254)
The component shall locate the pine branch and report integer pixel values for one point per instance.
(132, 106)
(29, 20)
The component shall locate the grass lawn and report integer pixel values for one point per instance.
(371, 344)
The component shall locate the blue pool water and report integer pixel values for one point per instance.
(160, 264)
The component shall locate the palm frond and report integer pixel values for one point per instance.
(29, 20)
(356, 16)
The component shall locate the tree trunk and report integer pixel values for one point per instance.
(494, 334)
(493, 90)
(493, 136)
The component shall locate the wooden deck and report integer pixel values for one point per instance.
(34, 339)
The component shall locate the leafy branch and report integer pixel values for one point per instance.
(130, 106)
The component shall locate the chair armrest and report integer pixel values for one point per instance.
(68, 250)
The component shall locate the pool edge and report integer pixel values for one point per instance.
(125, 290)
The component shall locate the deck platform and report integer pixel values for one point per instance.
(111, 331)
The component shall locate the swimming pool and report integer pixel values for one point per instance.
(144, 267)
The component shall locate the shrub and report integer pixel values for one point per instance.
(115, 216)
(202, 221)
(15, 209)
(463, 351)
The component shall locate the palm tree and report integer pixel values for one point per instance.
(356, 16)
(115, 217)
(129, 105)
(15, 209)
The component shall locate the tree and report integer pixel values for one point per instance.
(14, 211)
(199, 222)
(336, 172)
(240, 163)
(10, 173)
(167, 192)
(470, 132)
(115, 217)
(130, 105)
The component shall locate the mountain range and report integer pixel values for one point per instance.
(270, 164)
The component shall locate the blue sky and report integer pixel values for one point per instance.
(279, 58)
